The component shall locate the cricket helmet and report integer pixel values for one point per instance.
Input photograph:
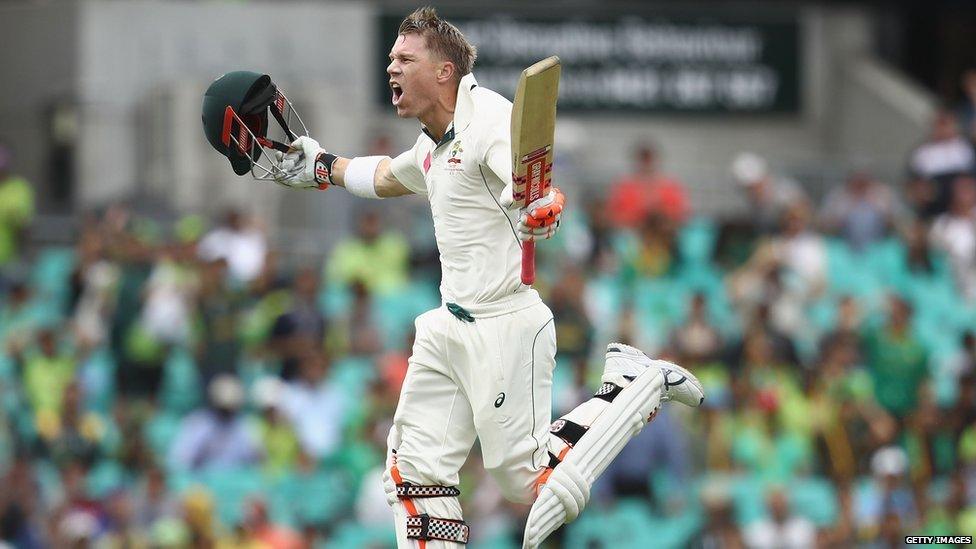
(235, 120)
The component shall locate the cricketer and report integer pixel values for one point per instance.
(482, 362)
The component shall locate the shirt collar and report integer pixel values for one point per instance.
(463, 110)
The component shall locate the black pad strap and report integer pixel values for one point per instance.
(608, 392)
(407, 490)
(568, 431)
(425, 527)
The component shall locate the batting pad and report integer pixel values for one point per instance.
(606, 437)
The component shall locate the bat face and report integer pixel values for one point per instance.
(533, 130)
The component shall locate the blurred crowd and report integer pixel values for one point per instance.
(182, 385)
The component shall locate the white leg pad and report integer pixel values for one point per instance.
(559, 500)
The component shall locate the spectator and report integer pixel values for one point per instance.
(356, 333)
(20, 317)
(654, 254)
(170, 295)
(962, 364)
(574, 332)
(719, 529)
(662, 448)
(966, 111)
(785, 275)
(921, 260)
(265, 533)
(846, 326)
(646, 192)
(847, 422)
(768, 303)
(886, 502)
(198, 512)
(379, 259)
(16, 209)
(75, 435)
(216, 436)
(48, 370)
(152, 502)
(21, 515)
(75, 502)
(241, 243)
(96, 279)
(302, 326)
(897, 360)
(954, 233)
(600, 256)
(122, 530)
(800, 250)
(314, 405)
(782, 528)
(220, 311)
(277, 437)
(861, 211)
(937, 162)
(768, 196)
(697, 340)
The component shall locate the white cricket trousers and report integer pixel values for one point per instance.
(490, 379)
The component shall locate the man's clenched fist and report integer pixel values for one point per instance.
(307, 166)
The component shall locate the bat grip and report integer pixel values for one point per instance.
(528, 263)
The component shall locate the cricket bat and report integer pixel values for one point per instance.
(533, 131)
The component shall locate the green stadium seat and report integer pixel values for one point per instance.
(181, 389)
(334, 300)
(814, 498)
(104, 477)
(51, 272)
(231, 490)
(159, 431)
(98, 378)
(316, 498)
(625, 523)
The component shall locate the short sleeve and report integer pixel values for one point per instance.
(498, 152)
(406, 168)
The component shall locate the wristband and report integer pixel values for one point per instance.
(323, 169)
(359, 175)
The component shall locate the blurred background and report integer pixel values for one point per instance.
(778, 195)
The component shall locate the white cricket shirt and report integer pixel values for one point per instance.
(462, 177)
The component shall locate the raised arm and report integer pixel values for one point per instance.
(311, 166)
(385, 183)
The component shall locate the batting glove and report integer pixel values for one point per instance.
(540, 220)
(297, 171)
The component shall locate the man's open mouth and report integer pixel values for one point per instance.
(397, 92)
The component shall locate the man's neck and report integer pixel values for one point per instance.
(440, 116)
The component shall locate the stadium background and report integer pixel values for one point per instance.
(194, 359)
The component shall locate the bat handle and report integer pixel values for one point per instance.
(528, 263)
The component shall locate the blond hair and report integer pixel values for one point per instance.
(443, 38)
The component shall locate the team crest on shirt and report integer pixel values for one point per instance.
(454, 162)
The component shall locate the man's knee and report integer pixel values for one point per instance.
(517, 485)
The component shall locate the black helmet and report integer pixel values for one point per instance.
(235, 119)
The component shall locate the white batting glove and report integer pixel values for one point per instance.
(540, 220)
(306, 166)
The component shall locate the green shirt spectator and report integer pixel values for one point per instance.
(47, 373)
(16, 208)
(897, 360)
(379, 260)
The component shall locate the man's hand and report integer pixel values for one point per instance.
(540, 220)
(307, 166)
